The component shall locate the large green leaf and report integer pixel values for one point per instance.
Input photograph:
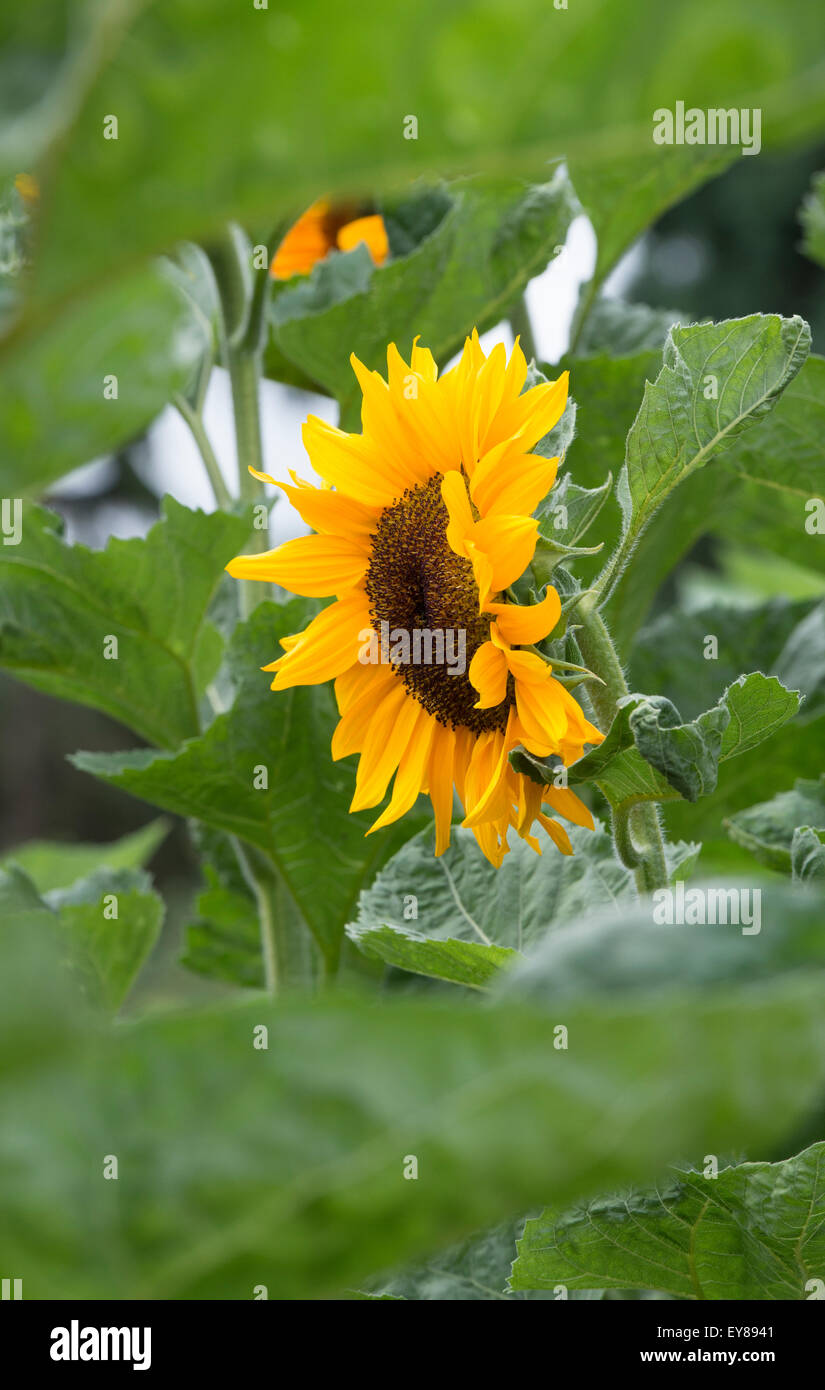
(637, 952)
(623, 197)
(249, 130)
(54, 864)
(300, 818)
(484, 241)
(57, 403)
(767, 829)
(240, 1166)
(716, 380)
(607, 391)
(755, 1231)
(61, 605)
(457, 918)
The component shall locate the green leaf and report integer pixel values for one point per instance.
(607, 390)
(300, 1147)
(808, 854)
(20, 901)
(60, 605)
(787, 640)
(477, 1269)
(644, 951)
(457, 918)
(744, 365)
(108, 951)
(54, 864)
(620, 329)
(275, 135)
(751, 1232)
(674, 656)
(485, 240)
(300, 820)
(623, 197)
(569, 511)
(812, 217)
(224, 940)
(105, 926)
(767, 829)
(57, 409)
(648, 755)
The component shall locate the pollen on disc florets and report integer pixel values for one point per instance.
(414, 580)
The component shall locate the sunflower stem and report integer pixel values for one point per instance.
(243, 294)
(637, 831)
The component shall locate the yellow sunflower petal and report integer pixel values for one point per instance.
(353, 727)
(515, 484)
(330, 512)
(557, 833)
(533, 414)
(486, 787)
(350, 463)
(567, 804)
(385, 744)
(369, 231)
(326, 648)
(411, 771)
(540, 711)
(440, 784)
(522, 625)
(312, 565)
(509, 543)
(457, 502)
(488, 673)
(386, 428)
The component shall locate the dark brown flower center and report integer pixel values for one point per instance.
(416, 584)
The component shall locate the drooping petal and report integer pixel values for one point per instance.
(411, 771)
(523, 625)
(327, 647)
(351, 731)
(440, 784)
(567, 804)
(488, 673)
(387, 737)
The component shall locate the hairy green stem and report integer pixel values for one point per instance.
(637, 832)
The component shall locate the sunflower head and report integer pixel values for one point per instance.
(421, 526)
(326, 227)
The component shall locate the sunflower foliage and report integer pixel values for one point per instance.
(578, 947)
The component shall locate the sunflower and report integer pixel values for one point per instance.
(421, 526)
(326, 227)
